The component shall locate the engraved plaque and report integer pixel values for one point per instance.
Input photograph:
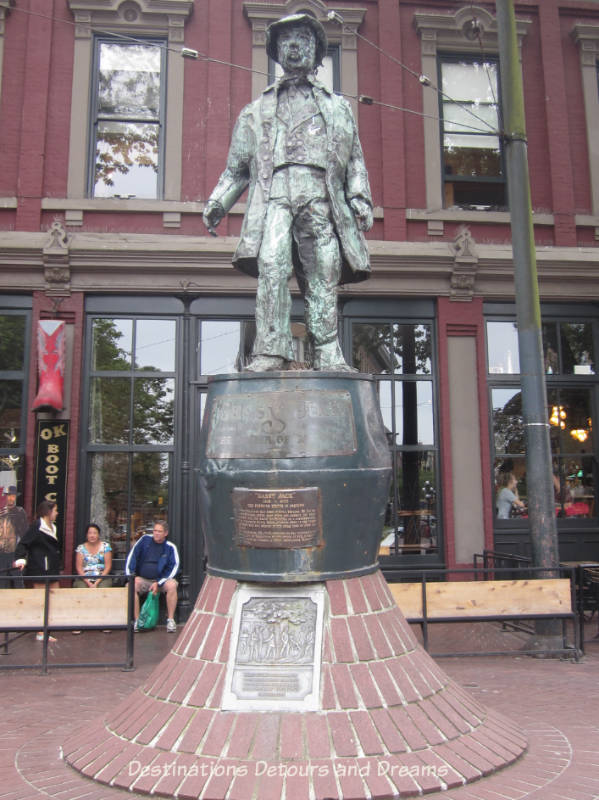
(275, 651)
(277, 518)
(282, 424)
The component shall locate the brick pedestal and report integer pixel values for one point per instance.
(391, 723)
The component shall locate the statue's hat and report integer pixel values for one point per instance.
(273, 30)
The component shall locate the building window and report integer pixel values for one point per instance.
(471, 155)
(586, 37)
(14, 360)
(150, 24)
(130, 422)
(128, 119)
(400, 356)
(444, 37)
(569, 356)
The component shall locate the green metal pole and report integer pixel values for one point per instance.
(541, 505)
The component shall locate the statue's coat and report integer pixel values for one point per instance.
(250, 162)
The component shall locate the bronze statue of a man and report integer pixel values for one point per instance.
(309, 201)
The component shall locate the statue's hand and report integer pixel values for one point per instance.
(213, 214)
(362, 212)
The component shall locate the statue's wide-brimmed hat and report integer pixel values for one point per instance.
(273, 30)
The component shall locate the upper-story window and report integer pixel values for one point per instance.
(128, 124)
(586, 37)
(463, 165)
(123, 51)
(471, 156)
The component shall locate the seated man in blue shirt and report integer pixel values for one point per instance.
(155, 562)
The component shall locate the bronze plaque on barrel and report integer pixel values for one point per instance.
(281, 424)
(277, 519)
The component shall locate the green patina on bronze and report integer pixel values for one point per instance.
(297, 149)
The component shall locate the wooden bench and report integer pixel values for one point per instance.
(48, 610)
(428, 602)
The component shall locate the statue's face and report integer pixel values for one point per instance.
(296, 48)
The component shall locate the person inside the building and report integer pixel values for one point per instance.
(39, 552)
(507, 496)
(155, 561)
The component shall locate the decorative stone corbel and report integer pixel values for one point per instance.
(465, 265)
(56, 259)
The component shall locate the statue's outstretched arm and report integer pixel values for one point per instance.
(235, 178)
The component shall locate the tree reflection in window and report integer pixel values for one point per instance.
(508, 423)
(128, 119)
(387, 348)
(399, 355)
(131, 410)
(570, 428)
(12, 357)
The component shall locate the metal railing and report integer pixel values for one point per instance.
(493, 558)
(424, 577)
(8, 626)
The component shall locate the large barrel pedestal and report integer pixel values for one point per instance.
(294, 476)
(296, 675)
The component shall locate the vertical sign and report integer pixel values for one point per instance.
(51, 466)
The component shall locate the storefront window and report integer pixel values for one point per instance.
(131, 418)
(568, 349)
(400, 356)
(407, 409)
(502, 348)
(13, 360)
(391, 348)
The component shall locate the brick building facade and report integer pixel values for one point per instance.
(115, 120)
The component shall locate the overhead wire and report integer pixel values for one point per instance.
(423, 79)
(190, 53)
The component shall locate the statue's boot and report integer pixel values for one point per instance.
(266, 364)
(329, 358)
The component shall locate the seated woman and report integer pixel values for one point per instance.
(507, 497)
(38, 552)
(93, 560)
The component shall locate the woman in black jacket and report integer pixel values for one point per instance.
(38, 552)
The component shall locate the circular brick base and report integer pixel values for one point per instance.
(391, 722)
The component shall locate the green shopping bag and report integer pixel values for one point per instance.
(148, 616)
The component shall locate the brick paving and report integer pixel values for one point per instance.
(555, 704)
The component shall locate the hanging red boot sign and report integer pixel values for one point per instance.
(50, 354)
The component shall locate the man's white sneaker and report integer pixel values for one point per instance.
(171, 626)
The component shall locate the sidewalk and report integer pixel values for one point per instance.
(555, 702)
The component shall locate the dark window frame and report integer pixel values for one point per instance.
(18, 306)
(479, 180)
(420, 312)
(556, 382)
(138, 309)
